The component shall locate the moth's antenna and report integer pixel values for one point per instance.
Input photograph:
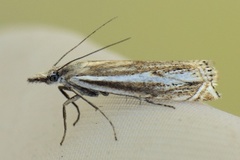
(84, 40)
(94, 52)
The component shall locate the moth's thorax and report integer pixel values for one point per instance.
(71, 70)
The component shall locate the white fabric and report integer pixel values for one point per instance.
(31, 114)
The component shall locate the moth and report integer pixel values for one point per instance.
(150, 81)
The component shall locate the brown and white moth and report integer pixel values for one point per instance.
(151, 81)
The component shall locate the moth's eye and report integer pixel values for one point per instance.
(54, 77)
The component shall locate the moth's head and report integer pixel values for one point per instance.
(50, 77)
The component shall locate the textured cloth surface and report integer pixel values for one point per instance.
(31, 114)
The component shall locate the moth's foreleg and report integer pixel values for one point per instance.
(70, 100)
(151, 100)
(62, 90)
(95, 107)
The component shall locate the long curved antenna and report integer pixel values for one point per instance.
(84, 40)
(94, 52)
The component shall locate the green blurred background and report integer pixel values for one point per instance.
(160, 30)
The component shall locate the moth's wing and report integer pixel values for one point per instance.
(195, 79)
(177, 80)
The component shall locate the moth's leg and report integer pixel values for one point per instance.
(70, 100)
(95, 107)
(62, 88)
(135, 97)
(151, 100)
(104, 93)
(84, 91)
